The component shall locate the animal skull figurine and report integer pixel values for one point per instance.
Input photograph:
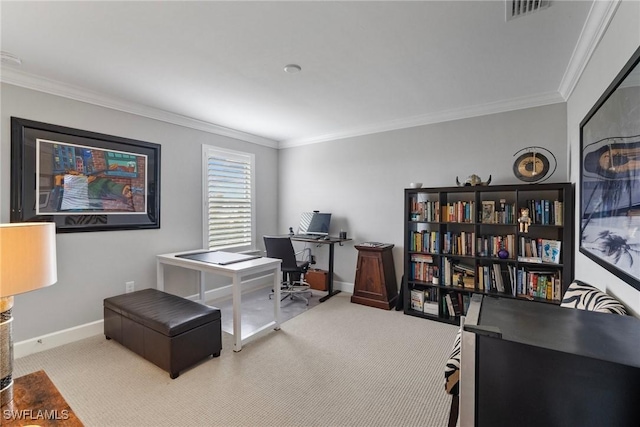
(472, 181)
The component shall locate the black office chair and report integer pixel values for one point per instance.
(293, 270)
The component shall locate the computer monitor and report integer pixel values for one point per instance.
(305, 220)
(320, 224)
(314, 223)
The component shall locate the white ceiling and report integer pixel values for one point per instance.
(366, 66)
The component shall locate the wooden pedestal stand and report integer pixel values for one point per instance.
(375, 283)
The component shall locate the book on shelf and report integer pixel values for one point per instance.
(497, 277)
(421, 268)
(466, 301)
(464, 275)
(430, 307)
(453, 305)
(544, 284)
(530, 259)
(455, 302)
(417, 299)
(490, 245)
(488, 211)
(462, 211)
(551, 251)
(511, 279)
(557, 210)
(462, 243)
(545, 212)
(530, 247)
(422, 258)
(424, 241)
(446, 276)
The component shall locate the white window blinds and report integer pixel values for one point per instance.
(228, 199)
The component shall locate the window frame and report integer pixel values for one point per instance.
(209, 151)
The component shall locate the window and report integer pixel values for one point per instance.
(228, 199)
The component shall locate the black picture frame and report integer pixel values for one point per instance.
(610, 177)
(82, 180)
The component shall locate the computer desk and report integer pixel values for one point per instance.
(237, 272)
(331, 241)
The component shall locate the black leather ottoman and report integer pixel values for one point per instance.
(172, 332)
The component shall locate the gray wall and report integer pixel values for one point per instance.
(361, 180)
(92, 266)
(614, 50)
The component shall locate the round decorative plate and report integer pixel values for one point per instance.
(531, 167)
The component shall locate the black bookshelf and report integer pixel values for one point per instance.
(456, 234)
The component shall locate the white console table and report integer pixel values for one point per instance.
(236, 271)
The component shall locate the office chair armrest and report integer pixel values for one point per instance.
(308, 256)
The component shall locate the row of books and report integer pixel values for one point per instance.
(545, 212)
(502, 278)
(463, 275)
(424, 241)
(494, 278)
(542, 211)
(463, 243)
(433, 211)
(464, 211)
(520, 282)
(455, 273)
(424, 210)
(498, 213)
(546, 285)
(425, 301)
(421, 268)
(455, 304)
(539, 250)
(490, 245)
(451, 304)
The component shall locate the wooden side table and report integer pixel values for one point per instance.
(37, 401)
(375, 283)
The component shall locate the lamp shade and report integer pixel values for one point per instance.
(27, 257)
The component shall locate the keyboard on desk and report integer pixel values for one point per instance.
(308, 236)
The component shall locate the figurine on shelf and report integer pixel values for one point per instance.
(524, 220)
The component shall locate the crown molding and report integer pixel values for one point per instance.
(594, 28)
(428, 119)
(42, 84)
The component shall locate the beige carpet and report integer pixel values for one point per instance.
(339, 364)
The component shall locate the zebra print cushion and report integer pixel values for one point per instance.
(452, 368)
(586, 297)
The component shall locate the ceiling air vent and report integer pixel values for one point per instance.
(516, 8)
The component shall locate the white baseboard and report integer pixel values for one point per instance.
(55, 339)
(344, 287)
(66, 336)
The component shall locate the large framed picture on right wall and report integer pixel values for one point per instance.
(610, 177)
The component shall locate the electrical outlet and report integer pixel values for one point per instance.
(129, 286)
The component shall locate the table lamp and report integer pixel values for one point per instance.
(27, 262)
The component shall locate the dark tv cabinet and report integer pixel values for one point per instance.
(544, 365)
(455, 235)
